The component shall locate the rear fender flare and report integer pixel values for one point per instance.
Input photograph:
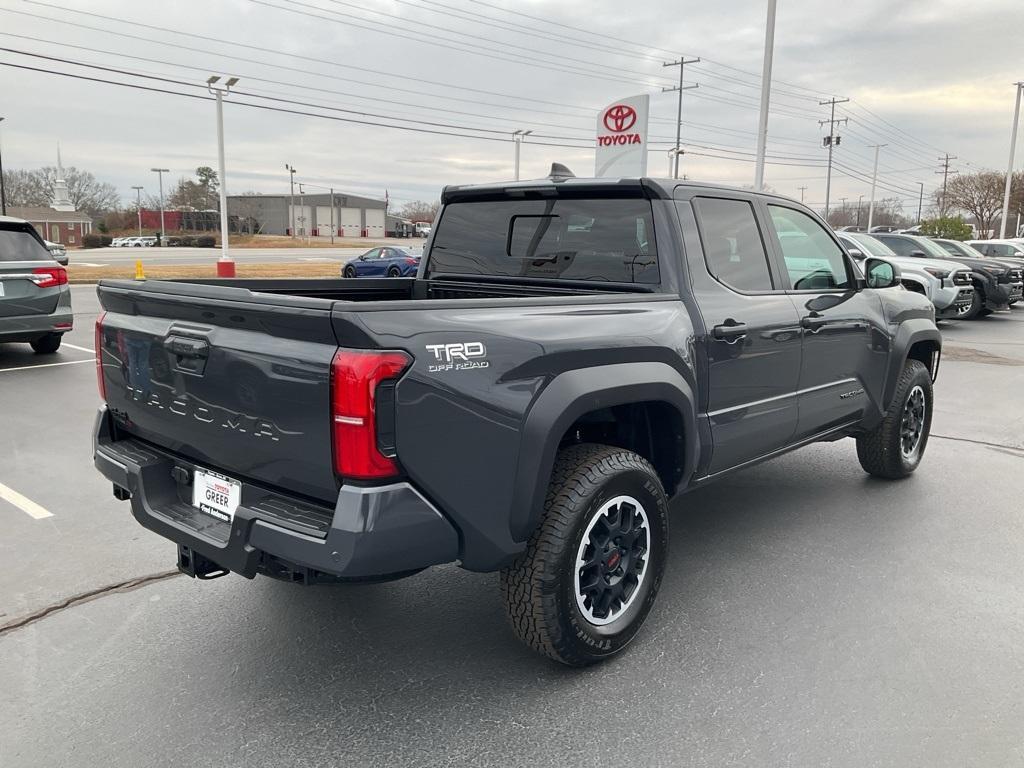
(574, 393)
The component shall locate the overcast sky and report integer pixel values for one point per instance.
(925, 77)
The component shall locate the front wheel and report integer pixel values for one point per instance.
(350, 271)
(591, 571)
(895, 447)
(46, 345)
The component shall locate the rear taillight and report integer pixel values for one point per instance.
(98, 346)
(412, 261)
(355, 377)
(50, 277)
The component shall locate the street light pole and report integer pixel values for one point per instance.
(291, 198)
(138, 206)
(874, 180)
(160, 172)
(920, 201)
(1009, 165)
(517, 137)
(3, 192)
(226, 268)
(860, 204)
(766, 89)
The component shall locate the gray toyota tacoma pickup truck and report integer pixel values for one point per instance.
(572, 355)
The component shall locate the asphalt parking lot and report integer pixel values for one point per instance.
(810, 616)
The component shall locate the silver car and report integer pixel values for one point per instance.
(35, 299)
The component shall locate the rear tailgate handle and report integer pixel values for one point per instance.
(190, 354)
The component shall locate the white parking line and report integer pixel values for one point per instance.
(90, 350)
(26, 505)
(45, 365)
(88, 264)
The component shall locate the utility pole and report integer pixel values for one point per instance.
(802, 190)
(138, 206)
(332, 216)
(860, 204)
(1009, 165)
(766, 90)
(945, 175)
(874, 181)
(160, 172)
(225, 267)
(681, 63)
(291, 199)
(920, 202)
(517, 137)
(3, 192)
(831, 141)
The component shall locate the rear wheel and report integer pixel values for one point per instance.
(591, 571)
(47, 345)
(393, 272)
(895, 447)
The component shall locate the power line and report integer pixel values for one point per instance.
(831, 141)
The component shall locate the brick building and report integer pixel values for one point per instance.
(65, 227)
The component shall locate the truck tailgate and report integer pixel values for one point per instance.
(238, 384)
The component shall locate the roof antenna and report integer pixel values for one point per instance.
(559, 172)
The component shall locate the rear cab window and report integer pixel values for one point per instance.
(16, 244)
(601, 240)
(734, 251)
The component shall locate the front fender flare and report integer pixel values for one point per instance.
(574, 393)
(909, 333)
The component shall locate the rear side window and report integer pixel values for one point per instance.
(901, 246)
(733, 249)
(18, 245)
(813, 260)
(601, 240)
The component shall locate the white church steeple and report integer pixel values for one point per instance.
(61, 199)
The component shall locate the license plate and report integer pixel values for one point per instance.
(215, 494)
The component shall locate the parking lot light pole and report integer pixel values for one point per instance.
(138, 206)
(874, 181)
(920, 202)
(766, 91)
(3, 192)
(225, 266)
(517, 137)
(291, 199)
(1009, 165)
(160, 173)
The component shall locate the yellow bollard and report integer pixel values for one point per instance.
(139, 273)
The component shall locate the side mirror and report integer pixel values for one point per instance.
(856, 253)
(879, 273)
(362, 257)
(919, 254)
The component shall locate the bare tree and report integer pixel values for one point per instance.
(979, 194)
(249, 209)
(419, 210)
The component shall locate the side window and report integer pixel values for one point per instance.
(373, 254)
(733, 249)
(900, 246)
(813, 260)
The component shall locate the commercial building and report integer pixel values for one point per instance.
(311, 214)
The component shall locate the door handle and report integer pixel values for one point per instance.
(813, 321)
(181, 346)
(730, 331)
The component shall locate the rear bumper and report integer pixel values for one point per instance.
(31, 327)
(370, 532)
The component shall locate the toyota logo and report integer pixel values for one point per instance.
(619, 118)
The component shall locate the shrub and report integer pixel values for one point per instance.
(186, 241)
(94, 240)
(950, 227)
(206, 241)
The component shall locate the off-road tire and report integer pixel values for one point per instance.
(46, 345)
(539, 589)
(880, 451)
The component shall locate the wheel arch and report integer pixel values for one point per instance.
(916, 339)
(654, 393)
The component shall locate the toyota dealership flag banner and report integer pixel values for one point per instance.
(622, 137)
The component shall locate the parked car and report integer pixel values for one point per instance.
(882, 228)
(35, 300)
(999, 249)
(850, 228)
(948, 285)
(59, 252)
(995, 284)
(117, 242)
(560, 371)
(388, 261)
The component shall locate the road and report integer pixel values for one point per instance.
(810, 616)
(185, 256)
